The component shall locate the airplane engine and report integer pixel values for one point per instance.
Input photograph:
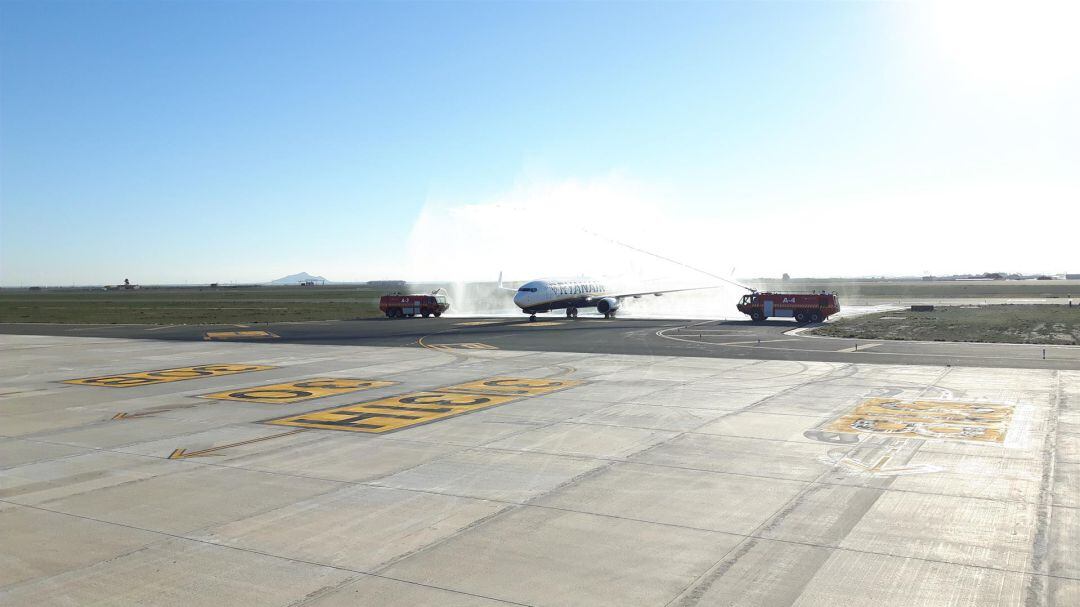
(607, 305)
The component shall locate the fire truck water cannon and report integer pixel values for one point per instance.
(803, 307)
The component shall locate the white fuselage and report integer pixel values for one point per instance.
(546, 295)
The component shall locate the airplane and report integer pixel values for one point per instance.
(545, 295)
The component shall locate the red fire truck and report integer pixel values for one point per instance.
(803, 307)
(398, 305)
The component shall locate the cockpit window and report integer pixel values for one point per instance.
(527, 290)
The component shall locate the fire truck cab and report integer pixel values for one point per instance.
(803, 307)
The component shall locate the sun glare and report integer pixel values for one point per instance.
(1023, 45)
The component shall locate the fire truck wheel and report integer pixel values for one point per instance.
(800, 317)
(757, 316)
(438, 314)
(426, 314)
(815, 317)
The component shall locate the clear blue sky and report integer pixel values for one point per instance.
(238, 141)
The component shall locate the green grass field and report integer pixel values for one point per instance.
(1022, 324)
(168, 306)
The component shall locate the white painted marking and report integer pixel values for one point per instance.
(859, 348)
(754, 342)
(662, 333)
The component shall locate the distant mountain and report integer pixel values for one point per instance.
(295, 279)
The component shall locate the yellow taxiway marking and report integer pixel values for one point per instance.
(296, 391)
(143, 378)
(398, 412)
(125, 415)
(477, 323)
(151, 411)
(462, 346)
(182, 453)
(950, 420)
(515, 386)
(540, 323)
(226, 335)
(859, 348)
(393, 413)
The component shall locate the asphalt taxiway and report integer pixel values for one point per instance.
(771, 340)
(441, 462)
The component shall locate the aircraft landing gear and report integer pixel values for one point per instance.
(532, 318)
(609, 315)
(571, 312)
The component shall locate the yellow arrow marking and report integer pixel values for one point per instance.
(147, 413)
(125, 415)
(182, 453)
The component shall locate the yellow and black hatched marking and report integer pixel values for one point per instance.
(462, 346)
(297, 391)
(232, 335)
(950, 420)
(399, 412)
(161, 376)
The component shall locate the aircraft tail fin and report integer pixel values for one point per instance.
(501, 287)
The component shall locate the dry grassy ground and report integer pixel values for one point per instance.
(188, 305)
(1024, 324)
(870, 291)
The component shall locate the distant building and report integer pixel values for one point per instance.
(1072, 277)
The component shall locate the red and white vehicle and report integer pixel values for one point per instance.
(398, 305)
(803, 307)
